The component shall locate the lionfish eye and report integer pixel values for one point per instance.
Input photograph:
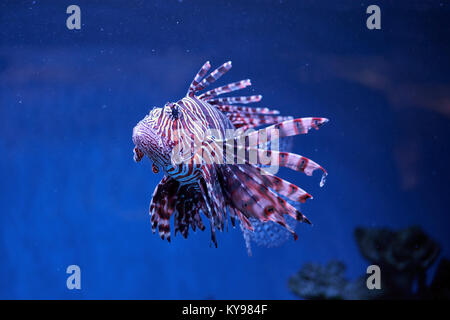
(174, 109)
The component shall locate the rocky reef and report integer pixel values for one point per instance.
(403, 256)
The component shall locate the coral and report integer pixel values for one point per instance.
(407, 250)
(315, 281)
(403, 256)
(440, 286)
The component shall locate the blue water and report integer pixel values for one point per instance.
(71, 193)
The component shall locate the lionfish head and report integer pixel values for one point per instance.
(149, 134)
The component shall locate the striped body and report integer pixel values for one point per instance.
(208, 163)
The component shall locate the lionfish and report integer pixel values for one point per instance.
(208, 179)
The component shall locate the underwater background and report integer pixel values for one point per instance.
(71, 193)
